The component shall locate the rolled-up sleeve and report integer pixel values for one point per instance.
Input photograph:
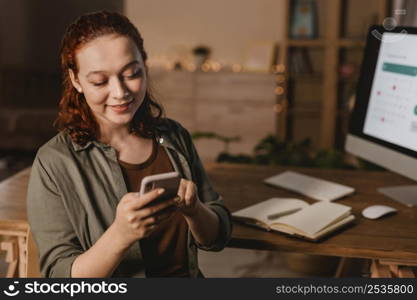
(225, 226)
(52, 230)
(210, 198)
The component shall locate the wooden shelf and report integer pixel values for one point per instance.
(330, 43)
(316, 110)
(305, 43)
(304, 111)
(347, 80)
(306, 76)
(351, 43)
(316, 43)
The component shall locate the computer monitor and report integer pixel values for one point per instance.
(383, 124)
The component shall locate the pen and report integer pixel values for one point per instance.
(283, 213)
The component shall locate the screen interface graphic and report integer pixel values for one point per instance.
(392, 109)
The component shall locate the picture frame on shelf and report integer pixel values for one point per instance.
(303, 20)
(259, 56)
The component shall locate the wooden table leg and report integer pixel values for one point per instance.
(32, 262)
(389, 269)
(406, 272)
(22, 256)
(380, 271)
(341, 267)
(12, 257)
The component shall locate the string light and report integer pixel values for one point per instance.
(279, 90)
(169, 66)
(216, 67)
(191, 67)
(280, 68)
(236, 68)
(205, 67)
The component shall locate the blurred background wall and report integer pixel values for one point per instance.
(30, 79)
(173, 27)
(30, 85)
(226, 99)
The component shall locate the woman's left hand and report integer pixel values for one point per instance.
(187, 200)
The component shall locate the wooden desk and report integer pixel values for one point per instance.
(390, 242)
(21, 252)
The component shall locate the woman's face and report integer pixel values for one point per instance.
(112, 78)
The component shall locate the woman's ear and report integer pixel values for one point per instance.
(74, 81)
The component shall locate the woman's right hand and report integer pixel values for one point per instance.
(134, 220)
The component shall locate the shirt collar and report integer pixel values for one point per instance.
(161, 138)
(78, 147)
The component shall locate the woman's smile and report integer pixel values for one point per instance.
(121, 108)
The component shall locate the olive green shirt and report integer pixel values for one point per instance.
(74, 190)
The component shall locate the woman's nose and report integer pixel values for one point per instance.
(118, 90)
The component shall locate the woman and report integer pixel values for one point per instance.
(83, 207)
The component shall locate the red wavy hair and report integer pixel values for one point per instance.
(75, 116)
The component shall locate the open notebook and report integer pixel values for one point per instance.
(296, 217)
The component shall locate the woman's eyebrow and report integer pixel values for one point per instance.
(124, 68)
(134, 62)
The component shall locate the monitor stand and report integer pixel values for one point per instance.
(406, 194)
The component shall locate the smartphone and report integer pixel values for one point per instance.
(169, 181)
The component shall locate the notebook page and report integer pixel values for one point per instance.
(334, 226)
(262, 210)
(315, 217)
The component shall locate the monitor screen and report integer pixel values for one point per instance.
(392, 110)
(383, 125)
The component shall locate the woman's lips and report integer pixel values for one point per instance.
(120, 108)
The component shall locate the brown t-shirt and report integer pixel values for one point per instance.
(164, 251)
